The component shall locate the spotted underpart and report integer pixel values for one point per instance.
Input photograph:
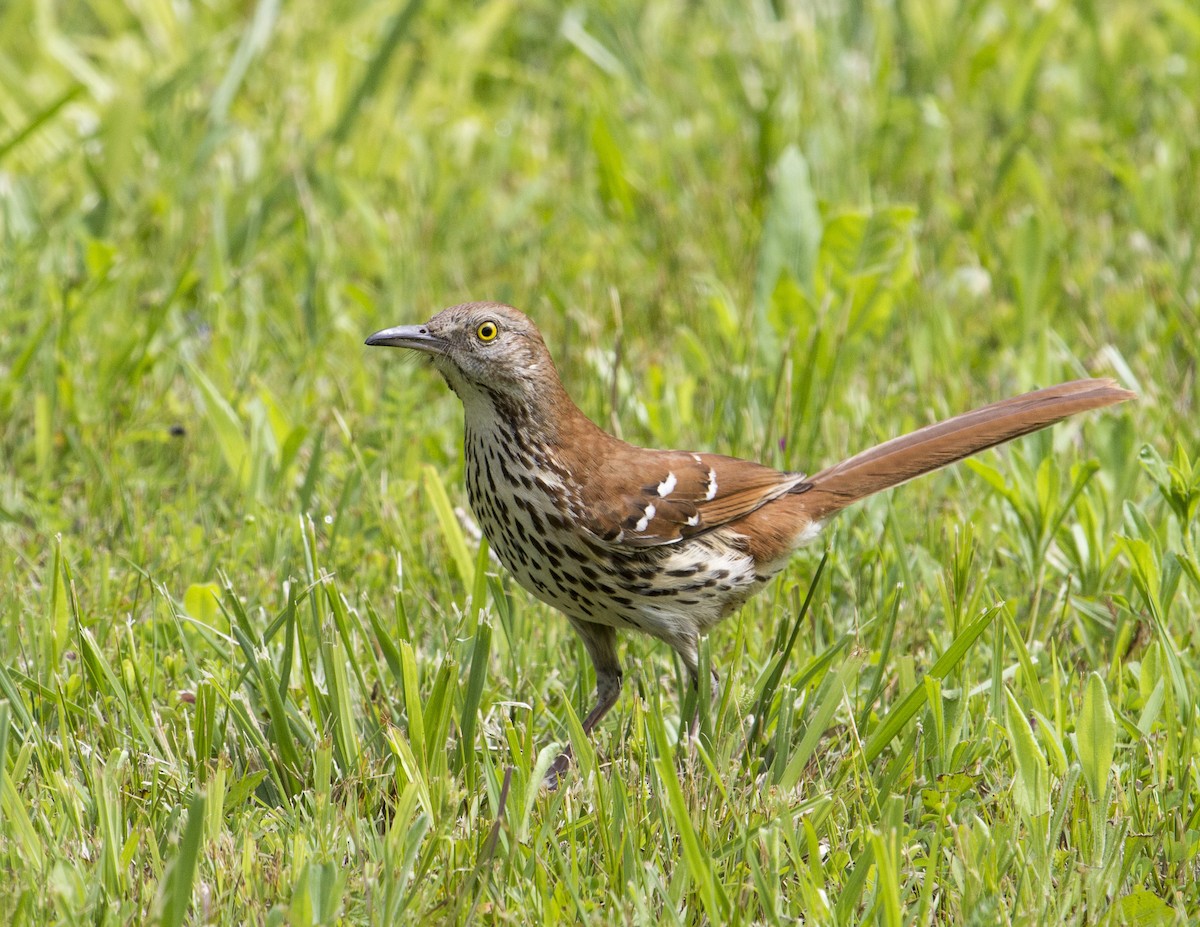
(527, 512)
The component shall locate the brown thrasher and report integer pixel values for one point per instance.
(669, 543)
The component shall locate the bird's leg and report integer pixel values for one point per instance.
(601, 644)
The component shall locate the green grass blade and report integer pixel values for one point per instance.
(830, 695)
(175, 890)
(452, 532)
(770, 682)
(699, 865)
(1031, 785)
(472, 698)
(413, 710)
(903, 711)
(1096, 736)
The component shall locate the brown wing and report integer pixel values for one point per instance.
(663, 497)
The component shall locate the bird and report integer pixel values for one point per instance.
(665, 542)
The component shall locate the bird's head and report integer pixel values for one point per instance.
(480, 348)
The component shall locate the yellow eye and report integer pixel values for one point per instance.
(487, 331)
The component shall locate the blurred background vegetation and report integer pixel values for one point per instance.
(231, 562)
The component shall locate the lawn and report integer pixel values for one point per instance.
(257, 666)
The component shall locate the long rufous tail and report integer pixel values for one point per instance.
(943, 443)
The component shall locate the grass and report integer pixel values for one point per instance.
(255, 667)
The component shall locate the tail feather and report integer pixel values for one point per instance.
(943, 443)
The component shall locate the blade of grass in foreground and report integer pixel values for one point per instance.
(771, 684)
(451, 529)
(471, 700)
(830, 696)
(176, 887)
(908, 706)
(699, 866)
(3, 753)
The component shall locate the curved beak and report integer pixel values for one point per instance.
(417, 337)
